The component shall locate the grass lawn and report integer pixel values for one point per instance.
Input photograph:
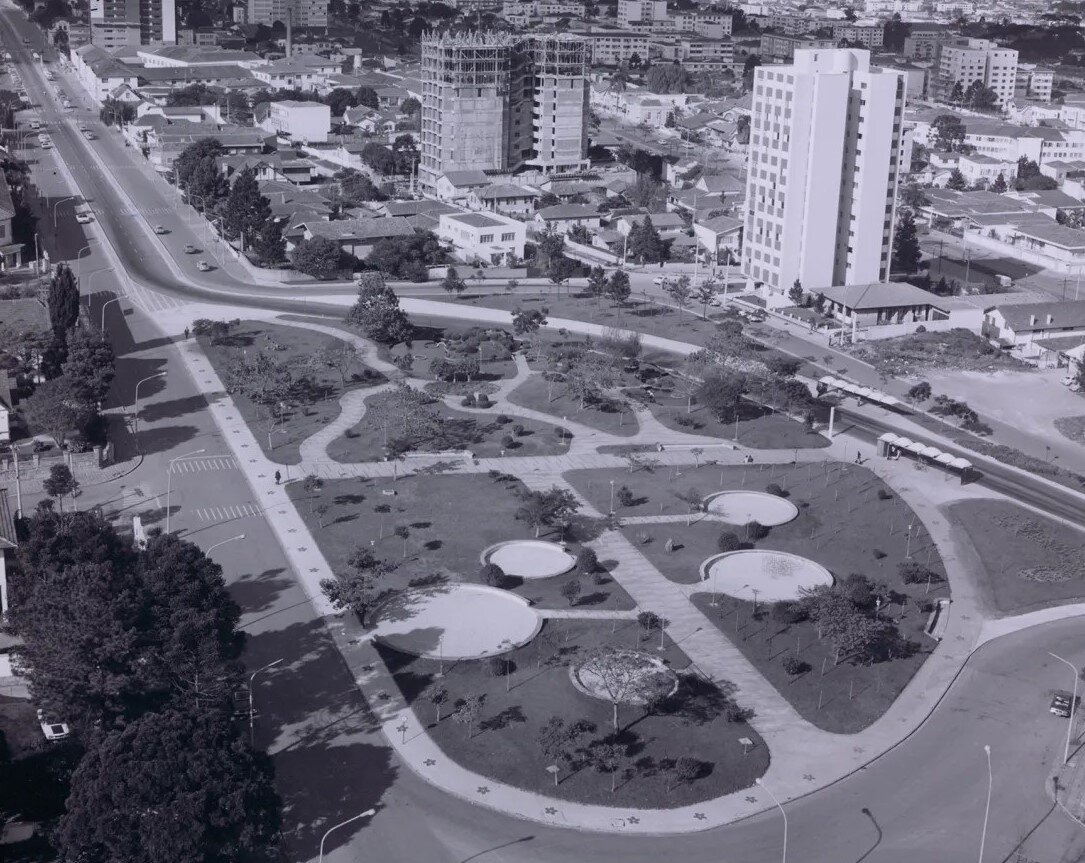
(534, 393)
(310, 407)
(758, 426)
(958, 349)
(638, 314)
(483, 434)
(843, 526)
(503, 744)
(1071, 427)
(451, 519)
(1029, 561)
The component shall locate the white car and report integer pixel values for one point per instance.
(83, 218)
(160, 230)
(52, 730)
(659, 281)
(203, 266)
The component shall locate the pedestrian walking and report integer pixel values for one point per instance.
(278, 477)
(186, 333)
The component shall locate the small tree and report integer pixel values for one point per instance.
(608, 756)
(587, 561)
(60, 483)
(311, 485)
(795, 293)
(437, 696)
(755, 530)
(685, 769)
(728, 541)
(493, 575)
(452, 282)
(404, 533)
(318, 257)
(919, 393)
(467, 712)
(571, 591)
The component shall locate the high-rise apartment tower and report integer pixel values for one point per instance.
(302, 13)
(499, 102)
(963, 61)
(116, 23)
(825, 143)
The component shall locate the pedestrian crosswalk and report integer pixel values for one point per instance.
(196, 465)
(228, 512)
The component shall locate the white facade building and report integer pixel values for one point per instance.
(304, 122)
(963, 61)
(488, 237)
(825, 142)
(641, 11)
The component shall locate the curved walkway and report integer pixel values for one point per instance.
(804, 758)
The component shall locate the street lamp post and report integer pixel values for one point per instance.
(252, 677)
(57, 204)
(1073, 704)
(612, 497)
(987, 811)
(101, 327)
(78, 258)
(368, 813)
(223, 542)
(169, 481)
(765, 788)
(135, 403)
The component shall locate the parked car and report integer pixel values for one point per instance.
(190, 249)
(83, 218)
(52, 730)
(203, 266)
(1062, 703)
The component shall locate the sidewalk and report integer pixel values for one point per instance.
(804, 758)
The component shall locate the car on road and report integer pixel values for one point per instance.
(1062, 703)
(203, 266)
(161, 229)
(89, 135)
(659, 281)
(52, 730)
(190, 249)
(83, 218)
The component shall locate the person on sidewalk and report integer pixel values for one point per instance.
(278, 477)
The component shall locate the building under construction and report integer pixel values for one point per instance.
(498, 102)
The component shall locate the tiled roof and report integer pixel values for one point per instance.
(879, 295)
(1063, 315)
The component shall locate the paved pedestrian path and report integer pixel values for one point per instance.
(804, 757)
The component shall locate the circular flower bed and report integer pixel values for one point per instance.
(624, 676)
(529, 558)
(742, 507)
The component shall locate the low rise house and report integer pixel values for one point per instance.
(358, 236)
(719, 236)
(508, 199)
(1036, 329)
(456, 186)
(565, 216)
(8, 544)
(880, 304)
(487, 237)
(11, 253)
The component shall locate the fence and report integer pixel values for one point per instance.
(33, 470)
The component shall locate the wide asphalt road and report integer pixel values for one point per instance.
(921, 802)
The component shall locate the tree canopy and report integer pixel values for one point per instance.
(319, 257)
(376, 312)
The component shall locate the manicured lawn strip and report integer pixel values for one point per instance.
(503, 745)
(306, 411)
(533, 394)
(637, 314)
(758, 426)
(851, 697)
(481, 433)
(451, 519)
(1010, 541)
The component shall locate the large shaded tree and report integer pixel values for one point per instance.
(906, 251)
(63, 300)
(246, 211)
(192, 155)
(319, 257)
(171, 787)
(376, 312)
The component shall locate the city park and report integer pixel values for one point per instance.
(575, 594)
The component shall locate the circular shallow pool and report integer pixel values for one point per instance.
(742, 507)
(456, 621)
(763, 576)
(529, 558)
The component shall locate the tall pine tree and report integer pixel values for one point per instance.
(63, 301)
(246, 209)
(268, 244)
(906, 251)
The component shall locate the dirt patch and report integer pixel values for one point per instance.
(1072, 428)
(958, 349)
